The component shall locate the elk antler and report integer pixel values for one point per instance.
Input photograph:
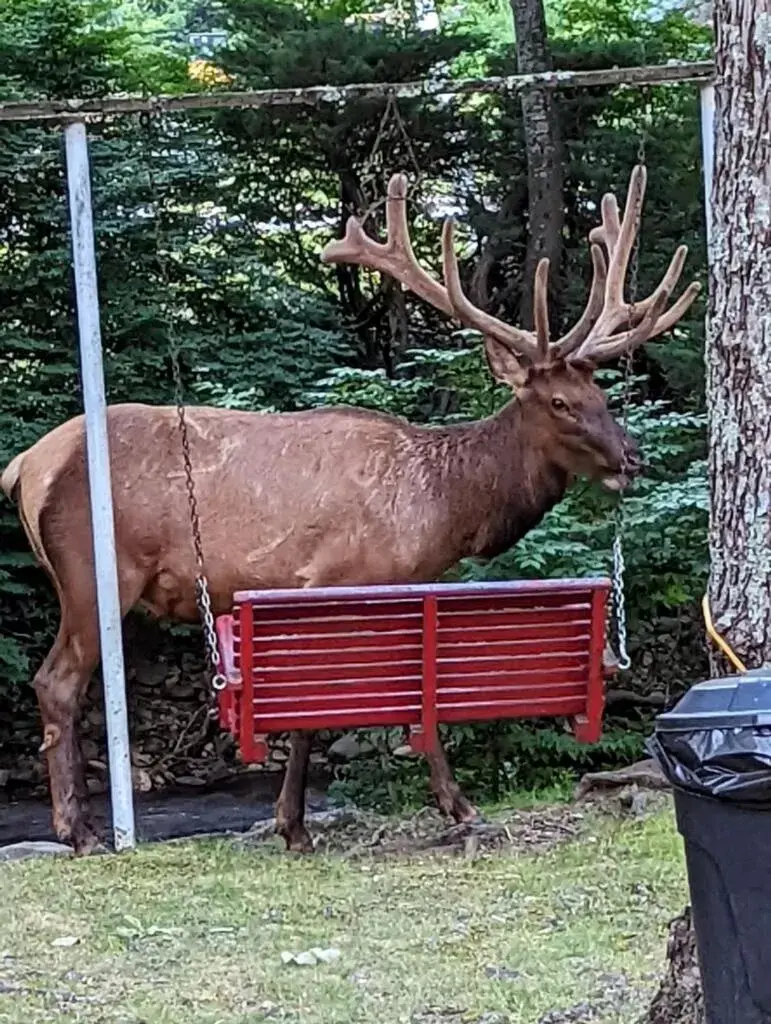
(644, 319)
(595, 335)
(397, 258)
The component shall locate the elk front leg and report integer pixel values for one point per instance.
(290, 807)
(446, 790)
(60, 684)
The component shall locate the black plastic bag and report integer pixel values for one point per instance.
(717, 740)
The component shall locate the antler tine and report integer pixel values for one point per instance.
(616, 344)
(522, 343)
(622, 250)
(578, 333)
(396, 257)
(607, 233)
(541, 307)
(669, 280)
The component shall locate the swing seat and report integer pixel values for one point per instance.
(414, 656)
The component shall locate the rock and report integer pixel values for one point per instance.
(90, 749)
(311, 957)
(219, 771)
(95, 717)
(66, 941)
(502, 974)
(5, 777)
(141, 780)
(152, 673)
(95, 786)
(180, 691)
(26, 772)
(348, 747)
(28, 850)
(405, 750)
(190, 780)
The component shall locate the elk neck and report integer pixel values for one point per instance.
(500, 480)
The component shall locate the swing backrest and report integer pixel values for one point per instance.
(414, 656)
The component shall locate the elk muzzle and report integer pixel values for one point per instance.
(630, 466)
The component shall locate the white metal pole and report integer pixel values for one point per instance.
(708, 152)
(102, 520)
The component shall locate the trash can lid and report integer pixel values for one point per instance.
(733, 702)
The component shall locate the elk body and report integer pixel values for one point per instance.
(331, 496)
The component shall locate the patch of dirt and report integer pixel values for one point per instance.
(354, 834)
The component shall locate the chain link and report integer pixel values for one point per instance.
(202, 595)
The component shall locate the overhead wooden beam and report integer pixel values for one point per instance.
(64, 111)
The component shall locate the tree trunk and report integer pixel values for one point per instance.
(738, 361)
(739, 332)
(679, 999)
(544, 156)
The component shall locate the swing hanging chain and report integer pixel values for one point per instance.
(391, 118)
(619, 600)
(218, 681)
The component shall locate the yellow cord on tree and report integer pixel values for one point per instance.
(718, 640)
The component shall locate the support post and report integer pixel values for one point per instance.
(707, 93)
(100, 491)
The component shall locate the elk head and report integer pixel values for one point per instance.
(566, 412)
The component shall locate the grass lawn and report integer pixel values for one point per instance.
(194, 933)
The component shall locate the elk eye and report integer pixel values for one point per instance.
(559, 404)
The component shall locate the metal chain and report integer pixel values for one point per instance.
(619, 602)
(203, 598)
(391, 116)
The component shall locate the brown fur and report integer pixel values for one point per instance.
(326, 497)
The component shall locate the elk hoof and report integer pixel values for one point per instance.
(83, 839)
(457, 807)
(296, 837)
(464, 812)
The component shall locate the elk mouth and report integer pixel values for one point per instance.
(616, 482)
(619, 479)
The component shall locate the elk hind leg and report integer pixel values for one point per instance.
(449, 797)
(60, 684)
(290, 806)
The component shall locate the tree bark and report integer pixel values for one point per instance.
(679, 999)
(544, 156)
(738, 352)
(738, 358)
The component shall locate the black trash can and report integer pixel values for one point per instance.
(715, 748)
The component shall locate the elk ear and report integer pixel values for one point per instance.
(504, 364)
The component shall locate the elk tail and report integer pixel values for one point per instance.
(12, 484)
(9, 481)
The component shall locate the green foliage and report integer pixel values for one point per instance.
(491, 762)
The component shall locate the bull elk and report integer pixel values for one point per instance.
(333, 496)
